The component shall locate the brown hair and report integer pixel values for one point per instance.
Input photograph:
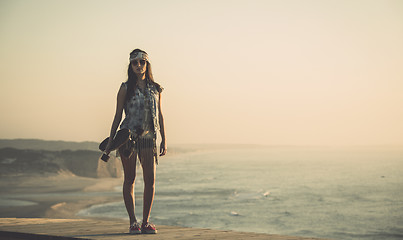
(132, 77)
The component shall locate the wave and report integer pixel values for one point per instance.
(5, 202)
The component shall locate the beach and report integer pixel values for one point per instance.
(32, 191)
(59, 195)
(46, 206)
(333, 193)
(54, 178)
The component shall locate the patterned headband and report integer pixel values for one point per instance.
(138, 55)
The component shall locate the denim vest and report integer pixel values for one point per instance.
(137, 106)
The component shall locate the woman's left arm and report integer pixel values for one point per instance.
(163, 147)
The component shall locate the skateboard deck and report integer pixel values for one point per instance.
(121, 138)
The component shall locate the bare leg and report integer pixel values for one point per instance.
(148, 164)
(129, 168)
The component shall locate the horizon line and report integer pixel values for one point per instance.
(221, 144)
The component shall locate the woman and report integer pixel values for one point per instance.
(140, 97)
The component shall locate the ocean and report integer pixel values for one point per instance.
(329, 192)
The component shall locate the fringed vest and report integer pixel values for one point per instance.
(141, 110)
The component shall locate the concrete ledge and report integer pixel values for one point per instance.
(69, 229)
(4, 235)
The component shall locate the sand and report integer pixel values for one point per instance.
(59, 195)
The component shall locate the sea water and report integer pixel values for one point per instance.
(339, 193)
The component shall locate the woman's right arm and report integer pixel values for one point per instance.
(118, 115)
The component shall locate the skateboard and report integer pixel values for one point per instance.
(120, 139)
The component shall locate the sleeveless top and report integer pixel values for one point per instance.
(141, 110)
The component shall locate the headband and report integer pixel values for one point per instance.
(138, 55)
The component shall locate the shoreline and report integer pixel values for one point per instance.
(60, 195)
(63, 195)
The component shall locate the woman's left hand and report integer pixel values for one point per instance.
(163, 148)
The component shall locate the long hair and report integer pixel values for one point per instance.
(132, 77)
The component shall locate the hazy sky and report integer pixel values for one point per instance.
(266, 72)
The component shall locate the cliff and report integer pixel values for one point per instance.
(83, 163)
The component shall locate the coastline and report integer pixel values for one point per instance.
(46, 206)
(60, 195)
(63, 194)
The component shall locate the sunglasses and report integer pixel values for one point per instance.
(136, 62)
